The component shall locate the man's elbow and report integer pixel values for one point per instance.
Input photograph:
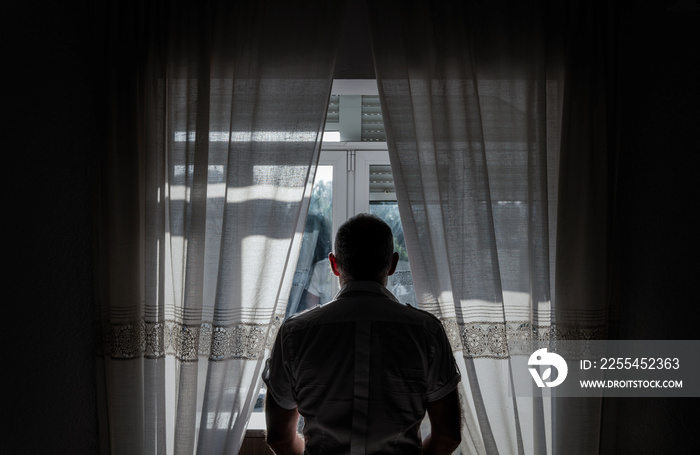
(281, 436)
(274, 440)
(276, 445)
(450, 439)
(282, 443)
(441, 443)
(453, 441)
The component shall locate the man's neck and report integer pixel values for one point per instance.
(343, 281)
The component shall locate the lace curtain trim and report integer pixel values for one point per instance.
(248, 341)
(153, 340)
(501, 340)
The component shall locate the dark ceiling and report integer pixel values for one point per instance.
(354, 59)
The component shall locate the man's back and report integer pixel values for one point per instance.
(361, 370)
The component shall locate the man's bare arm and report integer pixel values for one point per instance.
(446, 425)
(282, 436)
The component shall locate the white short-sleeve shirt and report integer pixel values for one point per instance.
(361, 369)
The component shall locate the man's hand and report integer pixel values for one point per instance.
(446, 425)
(282, 436)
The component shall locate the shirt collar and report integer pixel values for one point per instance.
(366, 286)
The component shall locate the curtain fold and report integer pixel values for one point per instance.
(480, 101)
(216, 113)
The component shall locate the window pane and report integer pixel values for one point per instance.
(312, 278)
(400, 283)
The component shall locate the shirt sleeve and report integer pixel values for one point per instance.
(443, 376)
(276, 376)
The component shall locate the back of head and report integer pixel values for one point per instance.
(364, 246)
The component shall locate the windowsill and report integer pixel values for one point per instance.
(255, 433)
(256, 422)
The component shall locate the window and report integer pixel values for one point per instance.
(353, 176)
(347, 183)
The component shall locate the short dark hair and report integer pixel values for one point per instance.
(364, 246)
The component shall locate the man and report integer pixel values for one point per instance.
(362, 369)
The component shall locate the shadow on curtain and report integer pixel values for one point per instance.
(216, 112)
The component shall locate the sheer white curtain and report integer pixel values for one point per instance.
(216, 114)
(473, 98)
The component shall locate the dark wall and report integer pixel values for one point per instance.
(657, 212)
(659, 158)
(49, 148)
